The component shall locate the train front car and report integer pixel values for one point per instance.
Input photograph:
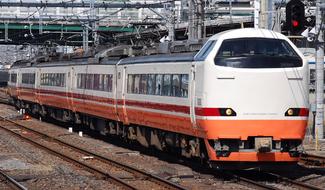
(252, 98)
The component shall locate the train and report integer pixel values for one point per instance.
(241, 100)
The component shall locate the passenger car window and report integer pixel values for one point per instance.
(158, 84)
(143, 84)
(166, 89)
(176, 85)
(151, 84)
(184, 85)
(136, 86)
(130, 83)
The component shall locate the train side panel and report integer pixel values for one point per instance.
(97, 98)
(157, 105)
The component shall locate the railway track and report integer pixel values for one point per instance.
(274, 179)
(117, 173)
(290, 182)
(10, 182)
(312, 160)
(120, 174)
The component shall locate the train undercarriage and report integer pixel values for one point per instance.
(178, 144)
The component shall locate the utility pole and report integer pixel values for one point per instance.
(171, 22)
(200, 15)
(319, 133)
(265, 15)
(85, 38)
(94, 23)
(191, 20)
(257, 9)
(196, 19)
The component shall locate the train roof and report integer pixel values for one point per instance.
(248, 33)
(159, 58)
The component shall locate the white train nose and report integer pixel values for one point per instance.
(268, 94)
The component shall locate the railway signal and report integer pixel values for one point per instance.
(295, 17)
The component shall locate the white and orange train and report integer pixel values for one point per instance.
(243, 98)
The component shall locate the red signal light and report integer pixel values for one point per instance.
(295, 23)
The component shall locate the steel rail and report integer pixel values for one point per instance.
(11, 182)
(298, 184)
(150, 177)
(311, 159)
(89, 168)
(249, 182)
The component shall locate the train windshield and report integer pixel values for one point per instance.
(257, 53)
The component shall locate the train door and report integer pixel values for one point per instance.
(37, 84)
(70, 83)
(18, 83)
(192, 96)
(120, 95)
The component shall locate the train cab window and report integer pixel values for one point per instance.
(13, 77)
(158, 84)
(205, 50)
(184, 85)
(257, 53)
(166, 89)
(151, 88)
(176, 85)
(143, 84)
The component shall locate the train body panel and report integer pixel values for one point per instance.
(217, 104)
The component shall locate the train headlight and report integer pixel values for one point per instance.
(297, 112)
(290, 112)
(215, 112)
(228, 112)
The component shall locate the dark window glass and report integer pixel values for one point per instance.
(110, 83)
(28, 78)
(166, 89)
(257, 53)
(158, 84)
(96, 82)
(105, 83)
(52, 79)
(89, 81)
(101, 82)
(143, 84)
(184, 85)
(136, 84)
(32, 78)
(151, 84)
(13, 77)
(205, 50)
(176, 85)
(130, 83)
(78, 80)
